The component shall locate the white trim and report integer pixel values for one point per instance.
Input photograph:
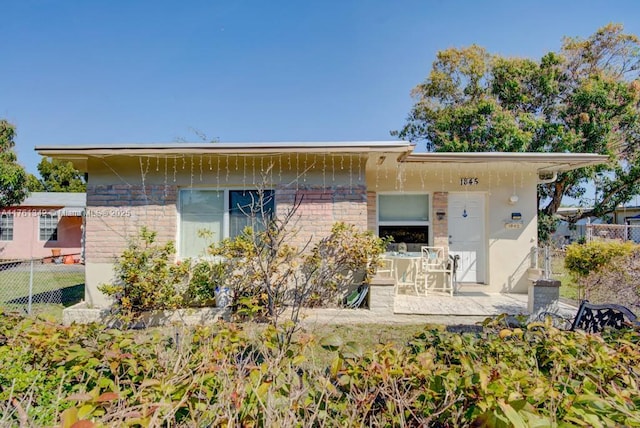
(51, 215)
(8, 216)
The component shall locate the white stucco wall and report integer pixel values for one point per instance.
(508, 251)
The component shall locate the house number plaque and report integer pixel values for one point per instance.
(469, 181)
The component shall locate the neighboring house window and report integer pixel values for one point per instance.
(48, 227)
(220, 213)
(6, 227)
(405, 217)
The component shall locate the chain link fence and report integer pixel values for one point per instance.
(624, 232)
(41, 285)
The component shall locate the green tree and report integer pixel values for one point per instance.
(13, 178)
(33, 184)
(59, 176)
(584, 98)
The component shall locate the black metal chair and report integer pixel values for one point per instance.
(593, 318)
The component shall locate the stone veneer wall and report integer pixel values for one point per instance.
(440, 227)
(116, 212)
(321, 207)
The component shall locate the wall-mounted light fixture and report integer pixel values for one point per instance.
(513, 199)
(441, 215)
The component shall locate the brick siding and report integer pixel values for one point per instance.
(321, 208)
(440, 227)
(115, 213)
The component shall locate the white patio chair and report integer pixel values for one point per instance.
(385, 267)
(406, 274)
(436, 265)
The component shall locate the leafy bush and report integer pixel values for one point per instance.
(618, 283)
(347, 257)
(205, 278)
(582, 259)
(266, 273)
(147, 278)
(224, 376)
(263, 272)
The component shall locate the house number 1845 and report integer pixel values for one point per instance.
(469, 181)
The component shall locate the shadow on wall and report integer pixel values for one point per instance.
(518, 281)
(69, 234)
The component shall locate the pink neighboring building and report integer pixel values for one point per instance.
(43, 224)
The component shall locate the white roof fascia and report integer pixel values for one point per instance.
(224, 148)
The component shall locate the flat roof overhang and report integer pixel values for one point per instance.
(544, 162)
(79, 154)
(226, 148)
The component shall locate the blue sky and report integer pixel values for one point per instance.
(120, 71)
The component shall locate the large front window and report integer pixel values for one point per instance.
(209, 216)
(405, 218)
(48, 227)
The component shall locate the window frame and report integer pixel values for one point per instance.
(226, 215)
(7, 224)
(54, 228)
(423, 223)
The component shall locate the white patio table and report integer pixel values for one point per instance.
(406, 270)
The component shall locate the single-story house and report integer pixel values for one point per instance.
(44, 225)
(480, 206)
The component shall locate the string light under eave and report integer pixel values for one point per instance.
(175, 168)
(166, 174)
(324, 168)
(218, 174)
(191, 173)
(226, 164)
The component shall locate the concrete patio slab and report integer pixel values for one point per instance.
(465, 307)
(469, 303)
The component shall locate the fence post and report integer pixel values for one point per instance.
(30, 287)
(547, 263)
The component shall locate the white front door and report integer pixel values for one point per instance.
(466, 235)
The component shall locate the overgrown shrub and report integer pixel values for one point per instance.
(618, 282)
(267, 274)
(606, 271)
(347, 257)
(147, 277)
(223, 376)
(582, 259)
(205, 277)
(263, 272)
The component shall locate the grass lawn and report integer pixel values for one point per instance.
(54, 287)
(366, 336)
(568, 287)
